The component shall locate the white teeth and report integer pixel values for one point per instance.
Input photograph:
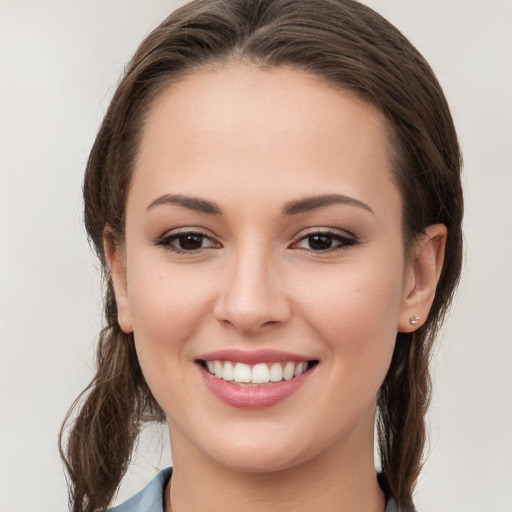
(299, 369)
(218, 368)
(289, 368)
(260, 373)
(242, 373)
(276, 372)
(229, 371)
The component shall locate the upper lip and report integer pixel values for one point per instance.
(253, 356)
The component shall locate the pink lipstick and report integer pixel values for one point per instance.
(254, 380)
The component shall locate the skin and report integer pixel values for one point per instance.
(252, 140)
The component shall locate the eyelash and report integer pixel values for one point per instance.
(166, 242)
(345, 241)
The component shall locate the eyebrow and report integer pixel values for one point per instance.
(192, 203)
(291, 208)
(316, 202)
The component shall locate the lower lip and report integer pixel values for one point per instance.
(253, 396)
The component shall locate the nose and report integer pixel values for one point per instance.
(252, 296)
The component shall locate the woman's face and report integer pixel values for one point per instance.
(263, 231)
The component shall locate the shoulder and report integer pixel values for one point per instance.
(149, 499)
(391, 506)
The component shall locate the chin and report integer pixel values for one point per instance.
(255, 462)
(255, 454)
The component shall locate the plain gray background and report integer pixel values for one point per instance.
(59, 63)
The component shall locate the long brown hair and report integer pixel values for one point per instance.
(352, 48)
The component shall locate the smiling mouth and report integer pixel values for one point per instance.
(262, 373)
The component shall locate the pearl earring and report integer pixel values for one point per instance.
(414, 320)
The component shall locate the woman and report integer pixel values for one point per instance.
(274, 195)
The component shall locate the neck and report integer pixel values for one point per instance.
(341, 480)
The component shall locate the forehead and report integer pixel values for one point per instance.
(239, 130)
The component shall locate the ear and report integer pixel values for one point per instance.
(421, 278)
(117, 264)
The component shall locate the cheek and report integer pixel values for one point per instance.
(355, 311)
(157, 304)
(167, 307)
(357, 294)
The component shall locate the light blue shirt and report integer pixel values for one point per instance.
(151, 498)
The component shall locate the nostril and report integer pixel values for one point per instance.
(248, 324)
(251, 301)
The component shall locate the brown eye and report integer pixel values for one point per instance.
(319, 242)
(187, 242)
(325, 241)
